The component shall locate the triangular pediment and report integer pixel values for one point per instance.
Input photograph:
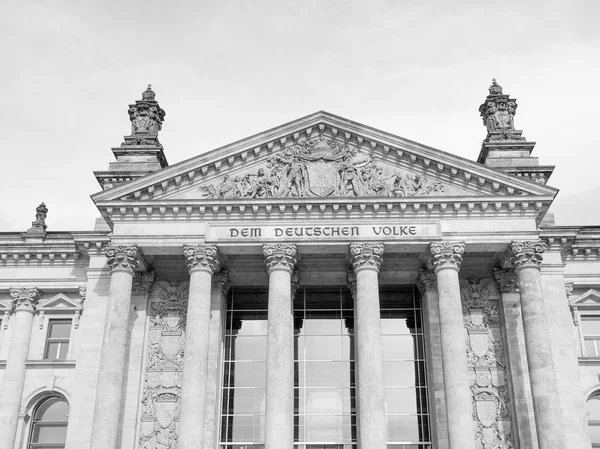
(324, 157)
(59, 302)
(590, 298)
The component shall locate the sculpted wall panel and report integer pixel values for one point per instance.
(322, 168)
(164, 366)
(487, 367)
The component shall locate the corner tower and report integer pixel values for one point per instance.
(504, 147)
(141, 153)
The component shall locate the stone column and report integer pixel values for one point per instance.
(220, 288)
(202, 262)
(122, 260)
(445, 259)
(279, 429)
(366, 261)
(514, 341)
(24, 307)
(526, 258)
(438, 425)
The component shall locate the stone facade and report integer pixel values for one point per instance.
(506, 300)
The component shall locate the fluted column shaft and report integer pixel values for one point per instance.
(279, 427)
(445, 259)
(202, 261)
(366, 261)
(122, 260)
(526, 258)
(24, 307)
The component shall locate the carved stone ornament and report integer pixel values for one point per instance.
(506, 280)
(485, 358)
(142, 282)
(161, 396)
(221, 281)
(201, 257)
(498, 113)
(569, 289)
(446, 255)
(25, 299)
(526, 254)
(125, 258)
(40, 217)
(351, 279)
(145, 115)
(280, 256)
(366, 256)
(295, 281)
(321, 168)
(426, 281)
(82, 293)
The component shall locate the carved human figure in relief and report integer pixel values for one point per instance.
(350, 182)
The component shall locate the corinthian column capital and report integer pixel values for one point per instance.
(25, 299)
(351, 279)
(124, 258)
(446, 255)
(142, 282)
(526, 254)
(221, 281)
(201, 257)
(366, 256)
(506, 280)
(280, 257)
(427, 281)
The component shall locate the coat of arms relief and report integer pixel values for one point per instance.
(321, 168)
(487, 367)
(164, 366)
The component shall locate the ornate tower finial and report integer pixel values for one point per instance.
(495, 88)
(498, 113)
(146, 115)
(40, 217)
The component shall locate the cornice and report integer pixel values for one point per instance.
(60, 247)
(367, 139)
(496, 207)
(580, 243)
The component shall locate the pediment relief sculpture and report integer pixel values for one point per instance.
(322, 168)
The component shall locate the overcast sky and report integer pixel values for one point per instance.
(225, 70)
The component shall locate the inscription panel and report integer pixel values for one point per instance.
(392, 230)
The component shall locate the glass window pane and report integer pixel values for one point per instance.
(325, 401)
(595, 433)
(44, 433)
(403, 428)
(322, 326)
(52, 350)
(64, 348)
(399, 347)
(249, 348)
(248, 374)
(402, 401)
(323, 374)
(53, 409)
(323, 347)
(403, 374)
(590, 348)
(59, 329)
(592, 408)
(323, 428)
(591, 325)
(249, 401)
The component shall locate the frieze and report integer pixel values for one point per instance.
(485, 355)
(321, 168)
(164, 366)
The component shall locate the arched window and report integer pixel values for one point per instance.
(49, 424)
(592, 408)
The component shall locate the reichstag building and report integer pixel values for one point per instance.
(319, 285)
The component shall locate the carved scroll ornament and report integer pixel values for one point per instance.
(526, 254)
(25, 299)
(125, 258)
(280, 257)
(506, 280)
(366, 256)
(321, 168)
(445, 255)
(201, 257)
